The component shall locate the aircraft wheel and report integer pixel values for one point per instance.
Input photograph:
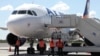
(30, 50)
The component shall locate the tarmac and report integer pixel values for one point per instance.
(4, 51)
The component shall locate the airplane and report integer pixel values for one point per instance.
(28, 20)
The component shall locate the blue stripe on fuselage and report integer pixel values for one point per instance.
(51, 12)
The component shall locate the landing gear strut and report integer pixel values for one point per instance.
(30, 50)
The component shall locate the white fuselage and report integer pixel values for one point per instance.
(29, 19)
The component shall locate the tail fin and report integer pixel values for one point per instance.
(86, 11)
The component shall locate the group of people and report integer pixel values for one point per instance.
(59, 44)
(42, 46)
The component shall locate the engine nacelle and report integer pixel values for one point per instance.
(11, 39)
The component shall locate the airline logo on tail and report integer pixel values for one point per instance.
(86, 12)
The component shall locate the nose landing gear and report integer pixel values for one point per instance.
(31, 50)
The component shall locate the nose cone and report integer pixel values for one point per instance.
(14, 23)
(11, 25)
(13, 20)
(23, 26)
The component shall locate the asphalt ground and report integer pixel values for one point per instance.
(4, 51)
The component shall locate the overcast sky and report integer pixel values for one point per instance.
(65, 6)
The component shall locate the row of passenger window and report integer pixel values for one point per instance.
(25, 12)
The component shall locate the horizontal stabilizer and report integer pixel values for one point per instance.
(3, 28)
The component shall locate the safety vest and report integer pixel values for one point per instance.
(52, 44)
(59, 44)
(18, 42)
(41, 44)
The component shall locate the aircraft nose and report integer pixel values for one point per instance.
(14, 23)
(24, 26)
(14, 20)
(11, 25)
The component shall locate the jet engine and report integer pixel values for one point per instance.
(11, 39)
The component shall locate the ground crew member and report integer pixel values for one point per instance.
(41, 46)
(60, 45)
(16, 51)
(52, 46)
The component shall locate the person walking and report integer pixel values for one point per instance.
(52, 46)
(60, 45)
(16, 51)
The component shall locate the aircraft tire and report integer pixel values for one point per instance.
(30, 50)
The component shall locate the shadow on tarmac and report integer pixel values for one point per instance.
(45, 55)
(13, 50)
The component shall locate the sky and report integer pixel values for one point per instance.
(65, 6)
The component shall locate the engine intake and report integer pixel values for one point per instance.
(11, 39)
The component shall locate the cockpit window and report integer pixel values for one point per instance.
(14, 12)
(19, 12)
(22, 12)
(34, 13)
(29, 12)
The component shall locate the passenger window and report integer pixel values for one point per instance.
(22, 12)
(14, 12)
(30, 13)
(34, 13)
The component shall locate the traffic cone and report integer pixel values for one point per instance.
(10, 49)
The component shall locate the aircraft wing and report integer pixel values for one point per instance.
(3, 28)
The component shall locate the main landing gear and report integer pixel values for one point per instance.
(31, 50)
